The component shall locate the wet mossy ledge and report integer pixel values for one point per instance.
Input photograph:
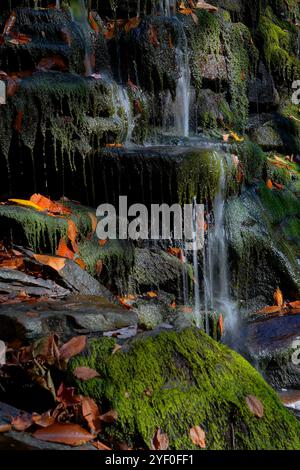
(177, 380)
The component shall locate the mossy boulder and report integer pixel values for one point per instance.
(176, 380)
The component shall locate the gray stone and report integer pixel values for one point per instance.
(76, 314)
(261, 89)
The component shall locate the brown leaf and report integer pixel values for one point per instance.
(294, 305)
(160, 440)
(278, 297)
(197, 436)
(73, 347)
(21, 422)
(152, 294)
(117, 348)
(54, 62)
(71, 434)
(44, 420)
(91, 414)
(99, 267)
(102, 242)
(80, 263)
(109, 417)
(100, 446)
(85, 373)
(10, 22)
(55, 263)
(255, 406)
(67, 395)
(93, 221)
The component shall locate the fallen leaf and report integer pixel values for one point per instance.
(236, 137)
(271, 309)
(278, 297)
(109, 417)
(294, 305)
(152, 294)
(99, 267)
(23, 202)
(269, 184)
(117, 348)
(174, 251)
(72, 234)
(55, 263)
(63, 250)
(5, 427)
(67, 395)
(9, 24)
(91, 414)
(13, 263)
(44, 420)
(160, 440)
(197, 436)
(45, 203)
(85, 373)
(80, 263)
(201, 5)
(94, 221)
(132, 24)
(100, 446)
(114, 145)
(21, 422)
(93, 23)
(71, 434)
(73, 347)
(255, 406)
(102, 242)
(173, 304)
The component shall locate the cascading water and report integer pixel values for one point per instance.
(167, 7)
(197, 305)
(182, 101)
(216, 279)
(79, 14)
(125, 104)
(58, 4)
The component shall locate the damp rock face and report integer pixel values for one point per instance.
(174, 381)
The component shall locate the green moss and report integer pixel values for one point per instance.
(192, 381)
(277, 37)
(254, 161)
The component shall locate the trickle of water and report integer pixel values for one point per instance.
(167, 7)
(197, 304)
(216, 276)
(182, 101)
(58, 4)
(126, 105)
(79, 12)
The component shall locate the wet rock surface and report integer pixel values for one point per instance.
(65, 317)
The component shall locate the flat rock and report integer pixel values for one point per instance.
(73, 315)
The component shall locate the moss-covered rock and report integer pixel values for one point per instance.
(174, 381)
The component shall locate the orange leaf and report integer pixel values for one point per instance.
(44, 420)
(63, 250)
(24, 202)
(114, 145)
(55, 263)
(72, 234)
(278, 297)
(46, 204)
(272, 309)
(99, 267)
(100, 446)
(152, 294)
(221, 324)
(67, 395)
(294, 305)
(93, 23)
(197, 436)
(132, 23)
(269, 184)
(73, 347)
(80, 263)
(205, 6)
(71, 434)
(5, 427)
(173, 304)
(278, 185)
(160, 440)
(102, 242)
(93, 221)
(12, 263)
(255, 406)
(85, 373)
(91, 414)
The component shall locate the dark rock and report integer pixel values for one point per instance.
(262, 93)
(15, 440)
(76, 314)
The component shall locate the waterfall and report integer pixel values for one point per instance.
(124, 102)
(167, 7)
(216, 276)
(58, 4)
(197, 305)
(79, 14)
(182, 101)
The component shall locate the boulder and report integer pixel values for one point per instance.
(174, 381)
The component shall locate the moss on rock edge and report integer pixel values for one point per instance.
(177, 380)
